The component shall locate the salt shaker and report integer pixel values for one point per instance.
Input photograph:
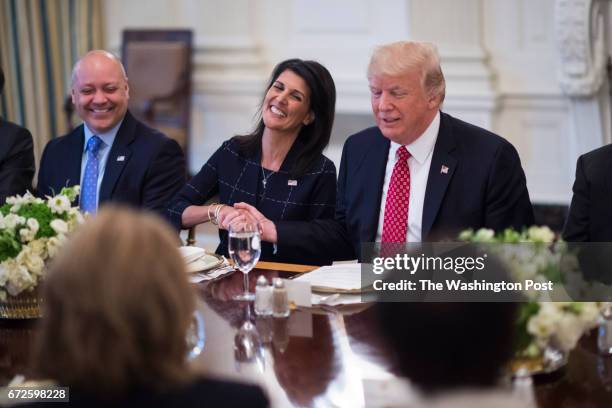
(522, 388)
(280, 299)
(604, 335)
(263, 297)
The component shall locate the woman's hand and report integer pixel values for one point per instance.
(268, 228)
(229, 216)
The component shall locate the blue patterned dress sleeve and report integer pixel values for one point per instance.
(198, 190)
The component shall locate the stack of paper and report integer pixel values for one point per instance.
(342, 278)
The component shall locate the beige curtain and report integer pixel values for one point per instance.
(40, 40)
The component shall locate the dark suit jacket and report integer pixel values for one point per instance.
(237, 178)
(201, 393)
(483, 187)
(590, 214)
(16, 160)
(151, 172)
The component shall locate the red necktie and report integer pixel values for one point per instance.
(395, 223)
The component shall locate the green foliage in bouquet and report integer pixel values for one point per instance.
(540, 322)
(31, 231)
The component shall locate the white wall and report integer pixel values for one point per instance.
(533, 112)
(499, 57)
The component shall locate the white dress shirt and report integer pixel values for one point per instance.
(421, 151)
(107, 142)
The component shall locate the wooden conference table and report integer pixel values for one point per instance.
(318, 357)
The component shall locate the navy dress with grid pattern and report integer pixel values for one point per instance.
(236, 178)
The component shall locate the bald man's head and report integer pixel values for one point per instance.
(100, 91)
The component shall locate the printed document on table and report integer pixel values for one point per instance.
(342, 277)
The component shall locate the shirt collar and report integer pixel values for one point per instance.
(422, 146)
(107, 137)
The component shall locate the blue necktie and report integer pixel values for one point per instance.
(89, 187)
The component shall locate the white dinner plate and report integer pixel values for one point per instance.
(205, 263)
(191, 253)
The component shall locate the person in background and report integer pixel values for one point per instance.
(590, 214)
(418, 175)
(455, 353)
(113, 156)
(117, 308)
(16, 157)
(588, 226)
(279, 168)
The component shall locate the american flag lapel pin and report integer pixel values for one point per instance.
(444, 169)
(120, 158)
(292, 183)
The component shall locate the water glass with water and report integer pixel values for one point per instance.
(245, 249)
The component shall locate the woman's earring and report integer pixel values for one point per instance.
(309, 120)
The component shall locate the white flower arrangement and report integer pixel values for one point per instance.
(542, 323)
(32, 230)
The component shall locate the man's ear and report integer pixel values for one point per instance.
(433, 102)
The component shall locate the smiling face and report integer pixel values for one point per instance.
(100, 92)
(402, 109)
(286, 105)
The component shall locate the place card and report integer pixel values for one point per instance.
(298, 292)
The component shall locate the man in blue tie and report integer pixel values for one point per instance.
(113, 156)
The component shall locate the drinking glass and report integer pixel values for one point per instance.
(245, 249)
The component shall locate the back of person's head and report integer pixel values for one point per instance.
(402, 57)
(444, 346)
(117, 306)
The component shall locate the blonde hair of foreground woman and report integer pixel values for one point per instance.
(117, 305)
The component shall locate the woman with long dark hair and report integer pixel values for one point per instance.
(279, 168)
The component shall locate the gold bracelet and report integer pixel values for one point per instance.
(210, 206)
(217, 211)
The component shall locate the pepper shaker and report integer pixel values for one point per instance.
(280, 299)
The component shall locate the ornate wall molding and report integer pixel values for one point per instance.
(580, 35)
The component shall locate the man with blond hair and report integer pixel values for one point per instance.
(418, 175)
(113, 156)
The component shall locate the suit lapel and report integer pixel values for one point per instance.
(372, 169)
(118, 157)
(76, 146)
(443, 165)
(608, 176)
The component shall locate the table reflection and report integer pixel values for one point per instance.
(16, 337)
(247, 343)
(316, 357)
(299, 349)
